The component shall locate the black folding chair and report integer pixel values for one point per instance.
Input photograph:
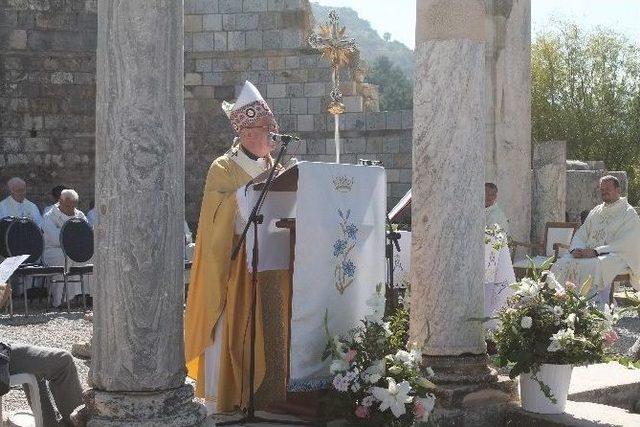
(76, 241)
(4, 226)
(24, 237)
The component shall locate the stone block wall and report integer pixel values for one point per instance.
(384, 136)
(47, 95)
(583, 192)
(265, 41)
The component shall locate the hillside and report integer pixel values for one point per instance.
(371, 43)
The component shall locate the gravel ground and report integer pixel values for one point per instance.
(52, 329)
(62, 330)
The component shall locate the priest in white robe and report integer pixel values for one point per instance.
(607, 244)
(55, 196)
(17, 204)
(53, 254)
(493, 213)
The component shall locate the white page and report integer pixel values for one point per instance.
(9, 266)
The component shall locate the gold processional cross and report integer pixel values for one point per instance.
(340, 51)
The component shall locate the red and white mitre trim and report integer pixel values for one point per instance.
(248, 108)
(247, 115)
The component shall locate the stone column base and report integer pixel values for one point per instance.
(468, 369)
(143, 409)
(468, 381)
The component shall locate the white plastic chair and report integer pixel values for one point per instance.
(34, 394)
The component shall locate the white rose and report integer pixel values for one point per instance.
(526, 322)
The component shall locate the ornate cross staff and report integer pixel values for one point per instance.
(341, 52)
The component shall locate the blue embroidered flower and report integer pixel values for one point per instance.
(349, 268)
(339, 247)
(351, 230)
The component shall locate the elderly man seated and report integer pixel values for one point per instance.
(55, 196)
(607, 244)
(56, 373)
(53, 255)
(17, 204)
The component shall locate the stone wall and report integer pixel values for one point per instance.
(47, 95)
(264, 41)
(583, 191)
(508, 103)
(47, 92)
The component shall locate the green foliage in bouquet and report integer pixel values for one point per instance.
(495, 236)
(546, 322)
(377, 380)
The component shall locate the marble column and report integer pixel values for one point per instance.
(447, 253)
(549, 187)
(137, 370)
(508, 95)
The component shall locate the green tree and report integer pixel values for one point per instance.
(586, 91)
(396, 90)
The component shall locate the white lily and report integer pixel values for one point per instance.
(528, 288)
(403, 356)
(416, 353)
(374, 372)
(560, 339)
(395, 397)
(553, 282)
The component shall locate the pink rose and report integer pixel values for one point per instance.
(570, 286)
(351, 354)
(418, 408)
(362, 412)
(611, 337)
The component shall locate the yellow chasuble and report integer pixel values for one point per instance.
(220, 285)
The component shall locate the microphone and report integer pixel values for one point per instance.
(280, 137)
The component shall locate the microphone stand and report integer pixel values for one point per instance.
(254, 219)
(392, 241)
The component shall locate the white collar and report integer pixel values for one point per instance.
(14, 201)
(252, 167)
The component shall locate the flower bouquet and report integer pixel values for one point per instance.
(544, 330)
(376, 379)
(495, 236)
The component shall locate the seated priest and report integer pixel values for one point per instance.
(17, 204)
(493, 212)
(53, 254)
(219, 299)
(607, 244)
(55, 196)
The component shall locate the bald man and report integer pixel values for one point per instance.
(17, 204)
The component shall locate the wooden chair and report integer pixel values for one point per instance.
(624, 277)
(557, 237)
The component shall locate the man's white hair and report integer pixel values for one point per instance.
(68, 193)
(11, 184)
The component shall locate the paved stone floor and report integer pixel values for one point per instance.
(62, 330)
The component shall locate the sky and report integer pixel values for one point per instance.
(398, 16)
